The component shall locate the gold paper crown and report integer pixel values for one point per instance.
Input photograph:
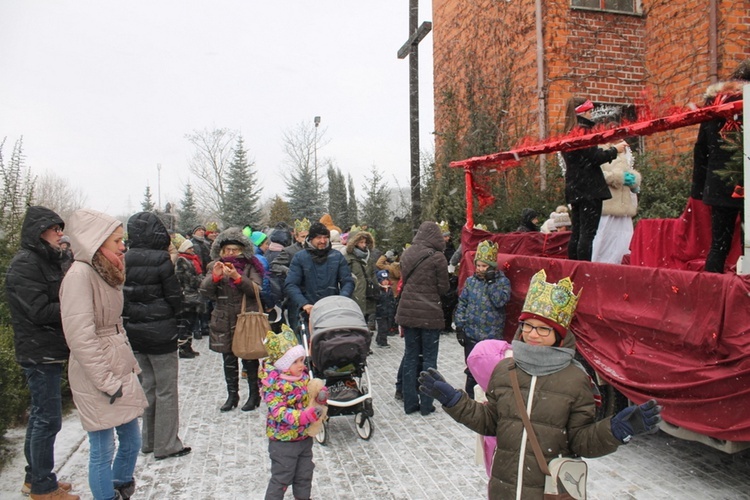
(487, 253)
(277, 344)
(554, 301)
(178, 240)
(212, 227)
(444, 228)
(480, 226)
(354, 230)
(301, 225)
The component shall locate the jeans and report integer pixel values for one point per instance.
(418, 342)
(585, 217)
(45, 422)
(104, 473)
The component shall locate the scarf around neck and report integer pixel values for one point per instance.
(541, 360)
(191, 257)
(109, 270)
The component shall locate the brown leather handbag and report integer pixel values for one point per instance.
(250, 330)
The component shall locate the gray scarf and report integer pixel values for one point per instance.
(541, 360)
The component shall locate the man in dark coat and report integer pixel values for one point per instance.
(32, 286)
(153, 298)
(317, 272)
(280, 267)
(710, 155)
(424, 273)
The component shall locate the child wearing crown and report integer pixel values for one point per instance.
(480, 313)
(284, 381)
(556, 393)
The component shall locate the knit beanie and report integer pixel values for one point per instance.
(186, 245)
(317, 229)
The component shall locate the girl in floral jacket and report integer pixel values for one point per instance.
(284, 378)
(480, 313)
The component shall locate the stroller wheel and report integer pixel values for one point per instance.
(322, 436)
(364, 426)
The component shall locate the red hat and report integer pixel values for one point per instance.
(557, 326)
(586, 106)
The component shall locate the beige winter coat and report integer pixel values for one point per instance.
(101, 360)
(624, 203)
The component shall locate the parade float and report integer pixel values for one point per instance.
(657, 326)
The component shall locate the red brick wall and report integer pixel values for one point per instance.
(606, 56)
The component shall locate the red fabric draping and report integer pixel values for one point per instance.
(680, 243)
(680, 336)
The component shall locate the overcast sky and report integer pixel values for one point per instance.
(103, 91)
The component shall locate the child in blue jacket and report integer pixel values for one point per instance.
(480, 313)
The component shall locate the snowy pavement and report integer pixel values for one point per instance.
(408, 456)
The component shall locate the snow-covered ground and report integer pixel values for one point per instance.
(408, 456)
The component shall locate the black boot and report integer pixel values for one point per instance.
(253, 400)
(126, 490)
(231, 403)
(232, 378)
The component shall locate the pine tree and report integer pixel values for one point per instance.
(351, 210)
(187, 212)
(303, 187)
(337, 205)
(242, 195)
(376, 212)
(280, 212)
(147, 205)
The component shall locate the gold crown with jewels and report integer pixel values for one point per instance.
(554, 301)
(487, 253)
(277, 344)
(444, 228)
(301, 225)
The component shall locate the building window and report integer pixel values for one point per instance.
(611, 5)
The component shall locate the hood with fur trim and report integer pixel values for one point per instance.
(235, 236)
(362, 235)
(728, 87)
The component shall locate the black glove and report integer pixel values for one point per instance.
(490, 276)
(460, 336)
(432, 384)
(113, 397)
(635, 420)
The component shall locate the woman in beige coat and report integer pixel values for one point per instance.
(102, 371)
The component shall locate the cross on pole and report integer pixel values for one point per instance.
(410, 48)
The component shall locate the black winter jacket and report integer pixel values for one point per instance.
(32, 286)
(584, 179)
(152, 293)
(420, 305)
(710, 154)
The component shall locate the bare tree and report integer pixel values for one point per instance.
(56, 193)
(303, 181)
(211, 159)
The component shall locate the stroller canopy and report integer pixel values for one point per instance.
(336, 313)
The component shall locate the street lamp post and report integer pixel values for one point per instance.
(158, 186)
(316, 120)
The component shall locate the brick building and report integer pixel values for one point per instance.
(504, 69)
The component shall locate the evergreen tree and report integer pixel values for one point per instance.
(187, 212)
(242, 197)
(303, 187)
(337, 205)
(280, 212)
(352, 212)
(147, 205)
(376, 211)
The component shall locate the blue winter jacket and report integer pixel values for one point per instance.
(307, 281)
(481, 307)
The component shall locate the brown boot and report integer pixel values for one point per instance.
(26, 488)
(58, 494)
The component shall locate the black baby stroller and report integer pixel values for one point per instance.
(338, 348)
